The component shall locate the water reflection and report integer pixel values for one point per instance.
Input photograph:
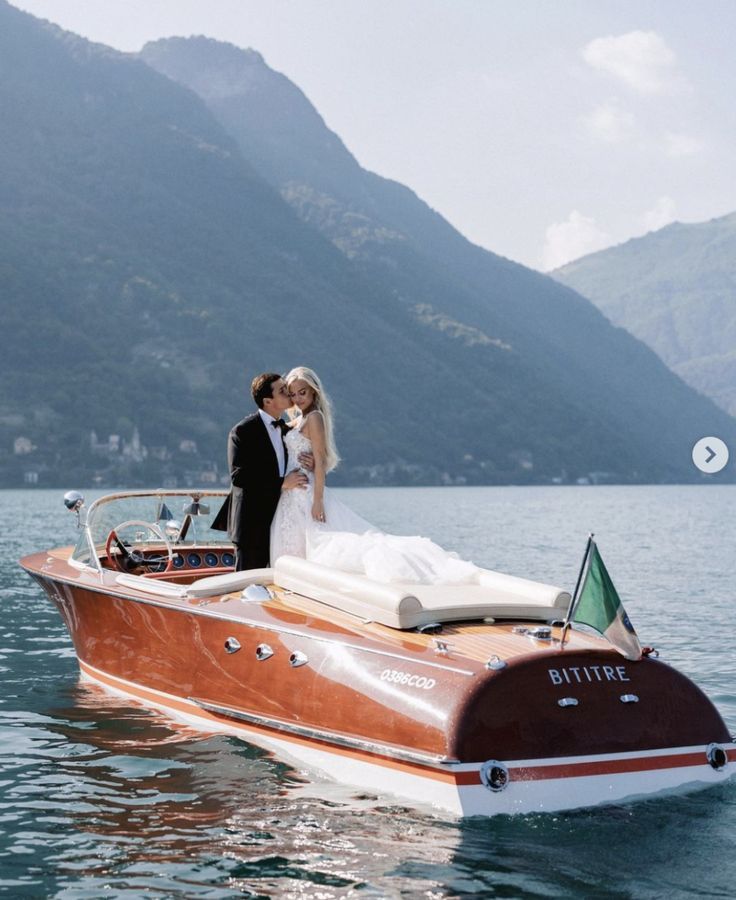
(120, 799)
(100, 797)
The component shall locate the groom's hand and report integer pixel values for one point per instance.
(306, 459)
(295, 479)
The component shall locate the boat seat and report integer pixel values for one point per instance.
(210, 586)
(492, 595)
(228, 582)
(159, 587)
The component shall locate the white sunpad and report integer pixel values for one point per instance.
(404, 605)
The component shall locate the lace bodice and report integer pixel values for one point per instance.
(297, 443)
(293, 514)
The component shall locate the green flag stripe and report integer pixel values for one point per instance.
(600, 607)
(599, 603)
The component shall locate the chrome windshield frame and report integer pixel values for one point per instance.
(93, 514)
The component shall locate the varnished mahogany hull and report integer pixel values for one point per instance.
(394, 704)
(517, 714)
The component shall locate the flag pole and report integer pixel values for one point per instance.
(573, 599)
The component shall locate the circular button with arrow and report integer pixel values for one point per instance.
(710, 455)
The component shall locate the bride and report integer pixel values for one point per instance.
(313, 524)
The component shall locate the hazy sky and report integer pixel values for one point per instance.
(542, 129)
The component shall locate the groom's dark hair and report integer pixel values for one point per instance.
(262, 387)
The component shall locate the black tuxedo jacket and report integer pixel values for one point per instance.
(255, 491)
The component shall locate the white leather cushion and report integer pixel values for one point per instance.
(203, 587)
(152, 585)
(228, 582)
(409, 605)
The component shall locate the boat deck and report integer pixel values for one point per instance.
(473, 642)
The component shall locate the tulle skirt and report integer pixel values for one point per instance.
(347, 542)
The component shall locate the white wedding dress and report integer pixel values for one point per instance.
(345, 541)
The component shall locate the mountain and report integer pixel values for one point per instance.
(150, 265)
(622, 397)
(674, 289)
(148, 271)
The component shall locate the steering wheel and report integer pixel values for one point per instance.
(126, 559)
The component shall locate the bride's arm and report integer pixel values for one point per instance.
(314, 429)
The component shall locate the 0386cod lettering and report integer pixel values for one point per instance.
(417, 681)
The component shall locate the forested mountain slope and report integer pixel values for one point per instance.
(675, 289)
(150, 265)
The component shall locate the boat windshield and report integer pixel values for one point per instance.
(185, 517)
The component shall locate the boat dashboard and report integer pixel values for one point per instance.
(186, 566)
(154, 533)
(194, 560)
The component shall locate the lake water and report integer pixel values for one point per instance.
(99, 798)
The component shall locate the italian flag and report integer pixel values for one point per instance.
(600, 607)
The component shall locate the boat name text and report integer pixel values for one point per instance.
(581, 674)
(417, 681)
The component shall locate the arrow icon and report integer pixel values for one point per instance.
(710, 455)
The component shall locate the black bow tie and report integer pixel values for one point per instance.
(279, 423)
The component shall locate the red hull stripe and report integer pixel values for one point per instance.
(461, 779)
(602, 767)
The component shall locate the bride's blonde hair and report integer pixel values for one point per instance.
(323, 403)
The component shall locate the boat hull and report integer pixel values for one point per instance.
(393, 715)
(535, 785)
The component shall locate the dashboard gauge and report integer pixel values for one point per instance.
(194, 560)
(211, 559)
(228, 559)
(178, 561)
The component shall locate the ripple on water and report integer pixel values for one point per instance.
(99, 797)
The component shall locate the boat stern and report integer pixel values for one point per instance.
(565, 730)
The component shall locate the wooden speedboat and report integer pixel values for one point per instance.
(461, 696)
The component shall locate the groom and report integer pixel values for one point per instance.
(257, 458)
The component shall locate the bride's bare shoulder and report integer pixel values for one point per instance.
(313, 420)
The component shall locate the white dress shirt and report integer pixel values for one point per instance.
(276, 439)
